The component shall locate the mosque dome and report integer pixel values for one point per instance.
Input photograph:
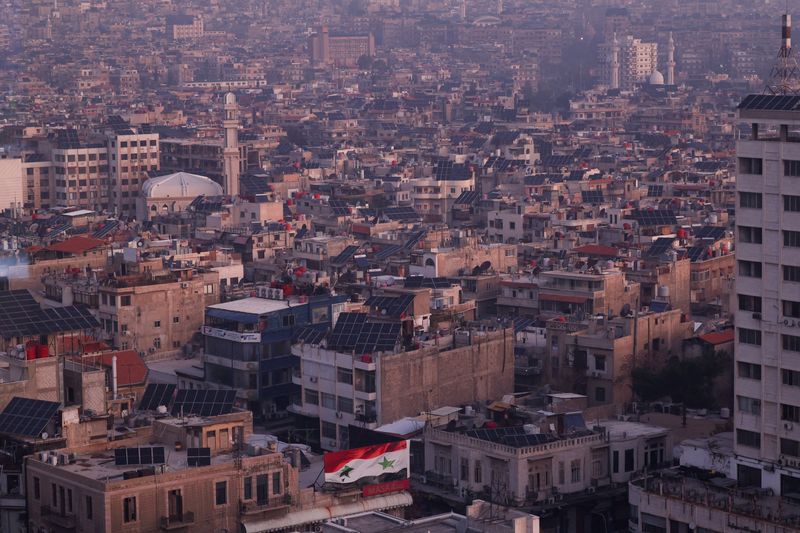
(656, 78)
(180, 185)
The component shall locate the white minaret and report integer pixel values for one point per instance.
(230, 151)
(671, 60)
(615, 66)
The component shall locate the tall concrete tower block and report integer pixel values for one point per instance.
(671, 60)
(230, 150)
(613, 82)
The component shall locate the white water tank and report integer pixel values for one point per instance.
(530, 429)
(725, 412)
(663, 291)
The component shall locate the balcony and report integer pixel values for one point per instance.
(270, 505)
(171, 523)
(59, 521)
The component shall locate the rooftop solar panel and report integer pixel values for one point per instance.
(660, 246)
(203, 402)
(402, 214)
(592, 197)
(655, 217)
(155, 395)
(415, 282)
(467, 198)
(710, 232)
(414, 239)
(198, 456)
(696, 253)
(345, 255)
(388, 251)
(311, 335)
(27, 416)
(354, 333)
(393, 306)
(655, 190)
(145, 455)
(21, 316)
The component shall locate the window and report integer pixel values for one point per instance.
(344, 375)
(328, 400)
(750, 165)
(790, 412)
(629, 460)
(37, 488)
(600, 394)
(749, 371)
(750, 269)
(288, 320)
(176, 319)
(561, 478)
(345, 405)
(750, 200)
(312, 397)
(791, 238)
(157, 324)
(478, 472)
(748, 438)
(749, 303)
(751, 406)
(276, 483)
(208, 289)
(791, 168)
(791, 203)
(221, 492)
(749, 336)
(464, 469)
(261, 489)
(248, 488)
(790, 377)
(69, 500)
(89, 508)
(328, 430)
(791, 273)
(791, 309)
(575, 470)
(129, 509)
(157, 343)
(600, 363)
(615, 461)
(125, 301)
(790, 447)
(790, 343)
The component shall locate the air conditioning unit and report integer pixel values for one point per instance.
(339, 414)
(332, 443)
(788, 426)
(756, 316)
(312, 379)
(184, 285)
(263, 292)
(788, 322)
(551, 501)
(591, 490)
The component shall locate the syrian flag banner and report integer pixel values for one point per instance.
(349, 466)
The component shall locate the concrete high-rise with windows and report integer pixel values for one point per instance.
(767, 296)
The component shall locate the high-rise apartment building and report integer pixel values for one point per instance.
(341, 50)
(132, 155)
(767, 347)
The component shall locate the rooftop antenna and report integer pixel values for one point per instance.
(784, 74)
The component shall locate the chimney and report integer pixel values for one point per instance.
(114, 376)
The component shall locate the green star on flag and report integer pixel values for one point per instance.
(345, 472)
(386, 463)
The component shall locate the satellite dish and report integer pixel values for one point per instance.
(44, 435)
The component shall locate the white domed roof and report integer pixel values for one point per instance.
(656, 78)
(180, 185)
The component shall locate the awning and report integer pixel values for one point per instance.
(320, 514)
(564, 298)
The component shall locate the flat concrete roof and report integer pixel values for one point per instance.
(255, 306)
(623, 430)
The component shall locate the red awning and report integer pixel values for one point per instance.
(564, 298)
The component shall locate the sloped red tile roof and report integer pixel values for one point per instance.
(131, 369)
(76, 245)
(597, 249)
(718, 337)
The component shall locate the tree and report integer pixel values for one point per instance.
(364, 62)
(687, 381)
